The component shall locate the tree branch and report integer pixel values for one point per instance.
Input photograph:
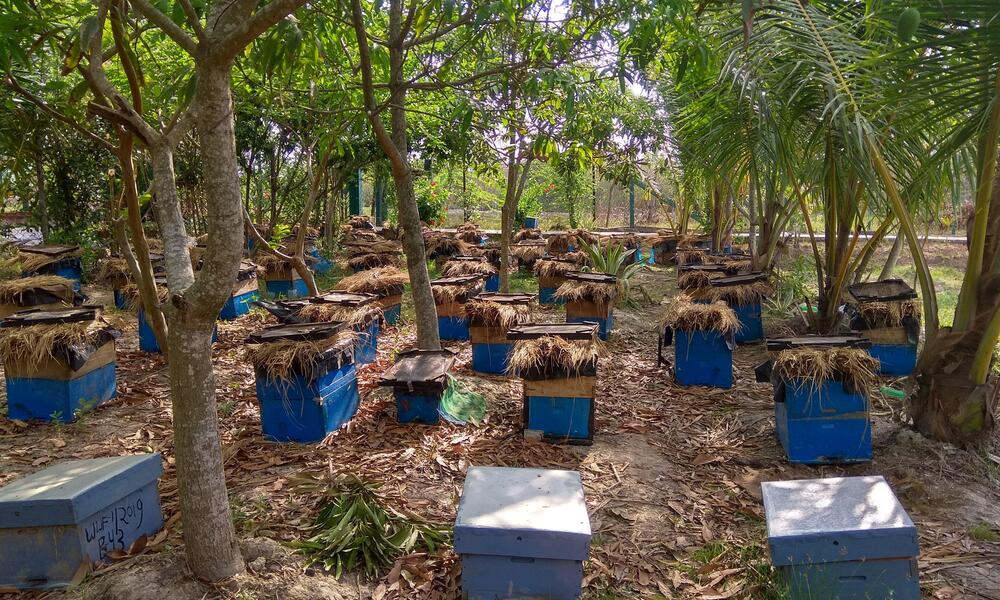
(193, 21)
(16, 87)
(249, 30)
(167, 25)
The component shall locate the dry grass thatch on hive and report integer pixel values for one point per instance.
(383, 281)
(469, 232)
(585, 236)
(36, 345)
(587, 290)
(455, 268)
(527, 253)
(561, 243)
(32, 262)
(689, 280)
(487, 313)
(684, 315)
(114, 271)
(553, 268)
(888, 314)
(528, 234)
(12, 291)
(556, 356)
(285, 359)
(375, 260)
(751, 293)
(817, 365)
(329, 312)
(450, 293)
(690, 256)
(359, 222)
(130, 293)
(441, 245)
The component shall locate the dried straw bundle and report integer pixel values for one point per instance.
(690, 280)
(114, 271)
(682, 314)
(32, 262)
(382, 282)
(269, 262)
(889, 314)
(328, 312)
(449, 293)
(375, 260)
(375, 247)
(585, 236)
(691, 256)
(751, 293)
(283, 360)
(441, 245)
(528, 234)
(469, 232)
(37, 344)
(577, 257)
(585, 290)
(560, 243)
(155, 245)
(456, 268)
(553, 268)
(487, 313)
(818, 365)
(133, 299)
(359, 222)
(12, 291)
(551, 355)
(527, 253)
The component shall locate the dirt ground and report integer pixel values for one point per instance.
(672, 480)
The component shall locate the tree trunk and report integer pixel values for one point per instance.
(210, 540)
(890, 261)
(416, 261)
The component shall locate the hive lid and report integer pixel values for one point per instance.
(537, 513)
(531, 242)
(711, 268)
(458, 280)
(344, 299)
(468, 258)
(248, 270)
(68, 492)
(836, 519)
(887, 290)
(590, 277)
(738, 280)
(568, 331)
(34, 316)
(501, 298)
(298, 332)
(419, 366)
(49, 249)
(818, 341)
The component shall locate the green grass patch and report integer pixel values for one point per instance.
(984, 532)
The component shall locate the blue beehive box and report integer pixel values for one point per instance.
(73, 379)
(243, 296)
(895, 359)
(522, 533)
(453, 324)
(846, 538)
(418, 380)
(894, 339)
(367, 328)
(319, 396)
(743, 294)
(490, 347)
(751, 322)
(121, 302)
(821, 423)
(75, 513)
(702, 357)
(596, 310)
(65, 262)
(391, 301)
(147, 339)
(283, 281)
(531, 222)
(557, 404)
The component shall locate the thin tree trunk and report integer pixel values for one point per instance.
(41, 197)
(890, 261)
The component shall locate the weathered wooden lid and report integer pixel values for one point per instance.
(500, 298)
(818, 341)
(468, 258)
(533, 242)
(590, 277)
(419, 366)
(344, 298)
(49, 249)
(710, 268)
(35, 316)
(887, 290)
(738, 280)
(568, 331)
(458, 280)
(300, 332)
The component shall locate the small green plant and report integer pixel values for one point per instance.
(355, 529)
(227, 407)
(983, 532)
(280, 232)
(613, 260)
